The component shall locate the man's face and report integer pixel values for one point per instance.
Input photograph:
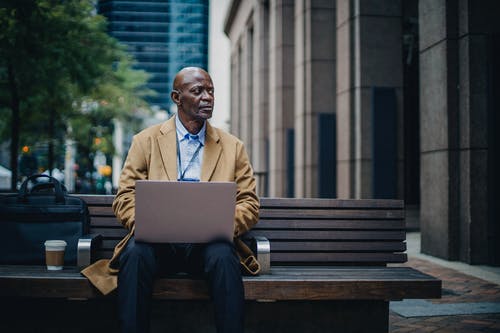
(196, 96)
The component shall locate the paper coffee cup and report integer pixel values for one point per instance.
(54, 254)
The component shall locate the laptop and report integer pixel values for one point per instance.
(184, 212)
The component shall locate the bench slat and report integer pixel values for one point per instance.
(119, 232)
(336, 257)
(105, 221)
(331, 203)
(91, 199)
(296, 213)
(330, 214)
(284, 283)
(116, 232)
(101, 211)
(329, 246)
(112, 221)
(285, 202)
(327, 224)
(100, 199)
(330, 234)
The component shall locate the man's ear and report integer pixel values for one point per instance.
(176, 97)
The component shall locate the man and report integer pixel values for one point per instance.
(186, 147)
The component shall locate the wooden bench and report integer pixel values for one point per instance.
(328, 272)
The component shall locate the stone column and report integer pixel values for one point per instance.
(235, 90)
(246, 89)
(247, 26)
(345, 99)
(439, 128)
(479, 229)
(456, 146)
(281, 99)
(260, 128)
(368, 61)
(473, 137)
(315, 78)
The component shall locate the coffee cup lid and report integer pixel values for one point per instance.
(55, 243)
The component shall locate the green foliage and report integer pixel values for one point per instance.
(61, 58)
(118, 97)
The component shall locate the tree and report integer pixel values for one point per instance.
(119, 98)
(53, 53)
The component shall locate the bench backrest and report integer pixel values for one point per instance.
(303, 231)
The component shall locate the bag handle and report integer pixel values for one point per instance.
(24, 192)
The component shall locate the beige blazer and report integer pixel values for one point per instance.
(153, 155)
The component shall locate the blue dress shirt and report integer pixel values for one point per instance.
(189, 168)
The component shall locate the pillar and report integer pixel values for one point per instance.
(457, 59)
(281, 90)
(369, 98)
(260, 111)
(315, 80)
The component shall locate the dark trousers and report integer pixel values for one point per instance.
(140, 263)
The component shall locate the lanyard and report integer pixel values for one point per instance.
(179, 162)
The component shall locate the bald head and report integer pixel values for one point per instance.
(193, 93)
(187, 75)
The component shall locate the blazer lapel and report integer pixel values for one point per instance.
(168, 148)
(211, 153)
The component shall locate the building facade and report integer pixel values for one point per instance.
(163, 36)
(376, 99)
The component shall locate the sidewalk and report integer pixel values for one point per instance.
(470, 298)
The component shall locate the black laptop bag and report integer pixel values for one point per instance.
(36, 214)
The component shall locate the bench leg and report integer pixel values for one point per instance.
(278, 317)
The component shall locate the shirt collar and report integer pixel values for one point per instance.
(182, 131)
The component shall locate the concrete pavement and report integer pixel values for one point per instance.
(470, 301)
